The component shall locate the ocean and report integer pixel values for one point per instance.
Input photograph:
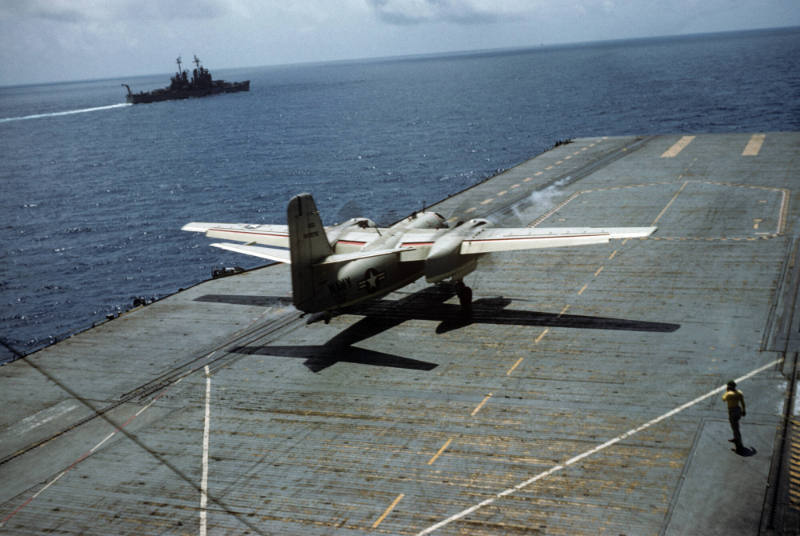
(94, 191)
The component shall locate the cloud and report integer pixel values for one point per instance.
(173, 10)
(56, 10)
(82, 11)
(407, 12)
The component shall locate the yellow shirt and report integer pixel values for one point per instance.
(733, 398)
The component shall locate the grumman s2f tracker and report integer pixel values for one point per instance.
(345, 264)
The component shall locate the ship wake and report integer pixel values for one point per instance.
(68, 112)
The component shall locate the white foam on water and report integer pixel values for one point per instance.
(68, 112)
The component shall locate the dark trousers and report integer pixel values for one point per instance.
(734, 414)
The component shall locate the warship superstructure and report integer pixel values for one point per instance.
(201, 84)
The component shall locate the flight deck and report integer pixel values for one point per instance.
(581, 396)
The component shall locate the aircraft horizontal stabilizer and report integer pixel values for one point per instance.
(199, 227)
(347, 257)
(273, 254)
(266, 235)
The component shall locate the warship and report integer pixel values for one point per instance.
(181, 86)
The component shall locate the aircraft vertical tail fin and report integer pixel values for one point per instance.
(308, 244)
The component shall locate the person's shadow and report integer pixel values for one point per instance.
(746, 452)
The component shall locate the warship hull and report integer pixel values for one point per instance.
(169, 94)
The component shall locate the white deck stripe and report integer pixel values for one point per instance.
(594, 450)
(109, 436)
(204, 480)
(62, 473)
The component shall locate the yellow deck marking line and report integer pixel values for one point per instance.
(591, 451)
(481, 404)
(568, 156)
(549, 167)
(674, 197)
(756, 221)
(514, 186)
(559, 162)
(439, 452)
(388, 511)
(783, 211)
(470, 209)
(514, 366)
(487, 201)
(204, 479)
(501, 193)
(613, 254)
(538, 173)
(754, 145)
(541, 335)
(582, 289)
(564, 310)
(679, 146)
(598, 271)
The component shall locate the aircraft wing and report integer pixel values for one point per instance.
(417, 243)
(268, 235)
(358, 255)
(353, 240)
(510, 239)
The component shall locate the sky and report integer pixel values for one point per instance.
(61, 40)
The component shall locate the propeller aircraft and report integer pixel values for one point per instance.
(343, 265)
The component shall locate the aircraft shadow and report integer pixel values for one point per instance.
(318, 358)
(493, 311)
(428, 304)
(244, 299)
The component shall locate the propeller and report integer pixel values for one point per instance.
(350, 209)
(455, 213)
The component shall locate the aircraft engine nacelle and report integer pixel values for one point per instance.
(445, 259)
(426, 220)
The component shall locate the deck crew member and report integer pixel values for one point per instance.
(736, 410)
